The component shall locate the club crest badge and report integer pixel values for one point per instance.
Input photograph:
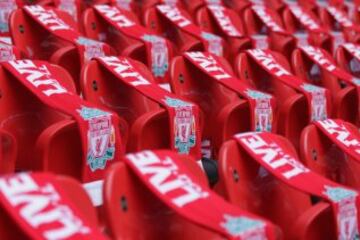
(6, 53)
(215, 43)
(6, 7)
(92, 48)
(245, 227)
(184, 124)
(101, 137)
(347, 212)
(263, 110)
(159, 55)
(318, 102)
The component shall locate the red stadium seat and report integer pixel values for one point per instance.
(344, 96)
(47, 139)
(342, 28)
(184, 41)
(38, 43)
(230, 19)
(323, 156)
(308, 30)
(26, 118)
(71, 189)
(96, 27)
(222, 106)
(148, 121)
(245, 183)
(292, 114)
(268, 33)
(127, 217)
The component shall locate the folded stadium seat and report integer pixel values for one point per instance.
(48, 34)
(8, 151)
(65, 211)
(230, 104)
(260, 172)
(55, 129)
(329, 148)
(298, 102)
(121, 30)
(306, 27)
(177, 212)
(157, 118)
(226, 23)
(341, 27)
(265, 27)
(353, 10)
(175, 24)
(316, 66)
(238, 5)
(347, 57)
(75, 8)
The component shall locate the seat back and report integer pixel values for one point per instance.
(244, 183)
(34, 40)
(148, 122)
(206, 21)
(71, 189)
(25, 117)
(292, 115)
(321, 155)
(127, 217)
(344, 96)
(220, 105)
(282, 42)
(161, 26)
(129, 41)
(308, 70)
(294, 26)
(97, 28)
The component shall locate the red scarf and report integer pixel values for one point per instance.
(48, 19)
(308, 22)
(157, 48)
(273, 154)
(170, 180)
(341, 18)
(221, 16)
(354, 51)
(183, 116)
(345, 137)
(318, 98)
(212, 43)
(267, 18)
(262, 41)
(322, 59)
(262, 106)
(101, 142)
(38, 205)
(306, 19)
